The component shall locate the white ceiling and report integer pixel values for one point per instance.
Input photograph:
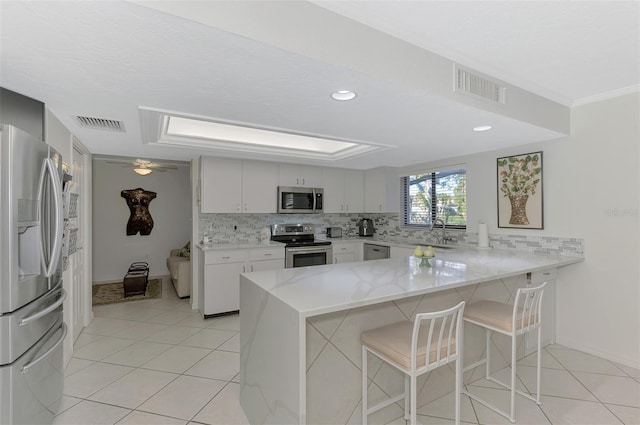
(107, 59)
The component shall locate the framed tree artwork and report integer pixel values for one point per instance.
(520, 191)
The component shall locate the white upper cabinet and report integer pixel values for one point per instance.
(300, 175)
(333, 184)
(343, 190)
(259, 187)
(235, 186)
(354, 191)
(220, 185)
(382, 190)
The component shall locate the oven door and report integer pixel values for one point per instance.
(308, 256)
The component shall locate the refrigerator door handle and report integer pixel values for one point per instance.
(48, 167)
(42, 313)
(32, 363)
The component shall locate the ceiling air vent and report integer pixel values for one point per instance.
(469, 83)
(100, 124)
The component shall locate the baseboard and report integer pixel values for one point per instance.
(162, 277)
(635, 363)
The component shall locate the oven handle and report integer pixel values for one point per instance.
(307, 249)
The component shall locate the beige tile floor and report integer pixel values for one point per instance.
(159, 362)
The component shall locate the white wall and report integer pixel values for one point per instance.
(113, 250)
(591, 191)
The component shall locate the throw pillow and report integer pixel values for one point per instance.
(185, 251)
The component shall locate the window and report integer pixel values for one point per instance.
(440, 195)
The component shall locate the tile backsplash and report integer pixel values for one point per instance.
(247, 227)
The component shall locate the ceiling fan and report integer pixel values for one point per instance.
(145, 167)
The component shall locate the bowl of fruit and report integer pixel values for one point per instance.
(427, 255)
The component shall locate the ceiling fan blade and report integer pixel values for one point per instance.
(129, 163)
(157, 166)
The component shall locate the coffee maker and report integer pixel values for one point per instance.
(365, 227)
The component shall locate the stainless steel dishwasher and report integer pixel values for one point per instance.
(376, 252)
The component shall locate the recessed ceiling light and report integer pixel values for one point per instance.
(482, 128)
(343, 95)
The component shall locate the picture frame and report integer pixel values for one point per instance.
(519, 189)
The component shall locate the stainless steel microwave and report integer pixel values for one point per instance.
(299, 200)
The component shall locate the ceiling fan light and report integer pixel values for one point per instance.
(143, 171)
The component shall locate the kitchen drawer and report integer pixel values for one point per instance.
(343, 248)
(259, 254)
(221, 257)
(544, 275)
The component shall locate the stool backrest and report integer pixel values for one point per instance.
(527, 309)
(443, 330)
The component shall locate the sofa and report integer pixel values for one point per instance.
(179, 267)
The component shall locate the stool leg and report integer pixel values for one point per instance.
(365, 381)
(414, 400)
(458, 386)
(407, 394)
(512, 412)
(539, 365)
(487, 365)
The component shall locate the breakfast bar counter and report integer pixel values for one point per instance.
(300, 328)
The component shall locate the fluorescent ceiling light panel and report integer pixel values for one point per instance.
(187, 127)
(211, 136)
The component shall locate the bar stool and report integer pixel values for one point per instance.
(525, 315)
(415, 349)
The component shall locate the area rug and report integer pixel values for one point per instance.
(109, 293)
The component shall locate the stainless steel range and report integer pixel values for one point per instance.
(302, 249)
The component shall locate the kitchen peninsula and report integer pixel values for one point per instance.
(300, 328)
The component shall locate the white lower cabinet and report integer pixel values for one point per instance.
(221, 291)
(221, 280)
(261, 259)
(548, 332)
(344, 253)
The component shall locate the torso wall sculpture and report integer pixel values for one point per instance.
(138, 201)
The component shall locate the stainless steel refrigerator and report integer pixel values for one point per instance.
(31, 294)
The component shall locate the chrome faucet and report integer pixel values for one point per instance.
(444, 238)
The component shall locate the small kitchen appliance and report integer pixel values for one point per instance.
(300, 200)
(365, 227)
(334, 232)
(301, 248)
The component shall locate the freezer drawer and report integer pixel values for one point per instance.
(31, 387)
(23, 328)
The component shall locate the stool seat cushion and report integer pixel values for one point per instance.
(394, 342)
(495, 314)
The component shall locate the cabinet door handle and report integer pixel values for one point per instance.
(225, 258)
(268, 255)
(303, 181)
(252, 267)
(347, 207)
(244, 269)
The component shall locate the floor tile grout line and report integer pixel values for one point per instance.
(210, 400)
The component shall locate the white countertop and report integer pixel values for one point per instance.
(240, 245)
(323, 289)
